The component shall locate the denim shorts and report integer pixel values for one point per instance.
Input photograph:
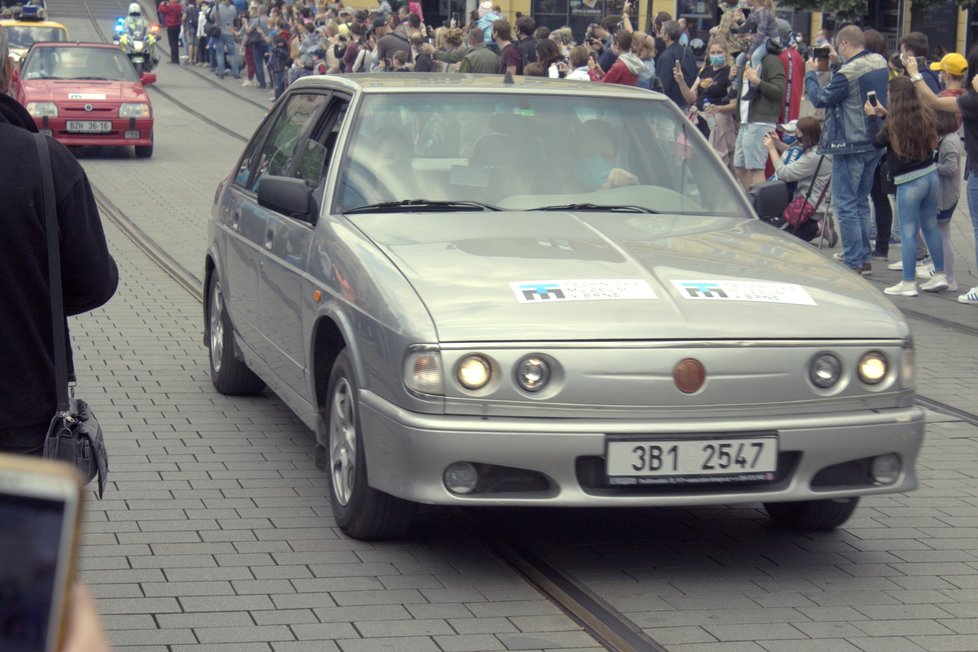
(749, 152)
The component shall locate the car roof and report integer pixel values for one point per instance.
(74, 44)
(426, 82)
(8, 22)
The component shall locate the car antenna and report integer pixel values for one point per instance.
(508, 78)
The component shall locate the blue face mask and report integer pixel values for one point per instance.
(592, 171)
(788, 139)
(718, 59)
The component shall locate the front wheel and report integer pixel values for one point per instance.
(138, 65)
(812, 514)
(361, 511)
(228, 374)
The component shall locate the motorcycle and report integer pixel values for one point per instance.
(139, 44)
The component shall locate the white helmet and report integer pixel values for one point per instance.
(135, 9)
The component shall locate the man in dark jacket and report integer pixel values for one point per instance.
(667, 60)
(89, 275)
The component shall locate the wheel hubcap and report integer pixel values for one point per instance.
(217, 328)
(342, 441)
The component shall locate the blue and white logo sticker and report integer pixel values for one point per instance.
(759, 291)
(581, 290)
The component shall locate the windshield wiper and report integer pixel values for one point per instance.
(421, 205)
(611, 208)
(96, 78)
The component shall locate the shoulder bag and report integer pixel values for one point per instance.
(74, 435)
(800, 210)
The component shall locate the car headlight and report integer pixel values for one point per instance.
(422, 370)
(906, 368)
(43, 109)
(134, 110)
(473, 372)
(533, 373)
(872, 367)
(825, 370)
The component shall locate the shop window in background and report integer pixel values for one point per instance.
(700, 16)
(577, 14)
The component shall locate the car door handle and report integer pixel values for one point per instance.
(269, 238)
(235, 218)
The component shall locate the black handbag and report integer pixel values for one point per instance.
(74, 435)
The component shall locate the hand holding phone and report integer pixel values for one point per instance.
(871, 98)
(40, 503)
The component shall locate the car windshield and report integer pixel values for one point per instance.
(531, 152)
(24, 36)
(76, 62)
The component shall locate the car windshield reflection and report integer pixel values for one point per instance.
(532, 152)
(106, 64)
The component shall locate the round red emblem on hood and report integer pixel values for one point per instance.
(689, 375)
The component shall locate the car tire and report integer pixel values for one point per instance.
(228, 374)
(144, 151)
(361, 511)
(812, 514)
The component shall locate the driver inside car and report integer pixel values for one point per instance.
(598, 153)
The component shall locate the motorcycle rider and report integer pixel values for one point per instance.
(135, 23)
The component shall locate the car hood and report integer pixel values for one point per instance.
(75, 90)
(596, 276)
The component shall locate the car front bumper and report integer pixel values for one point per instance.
(407, 454)
(116, 137)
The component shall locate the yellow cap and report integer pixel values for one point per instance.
(953, 64)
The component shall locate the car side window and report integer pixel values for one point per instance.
(243, 174)
(313, 163)
(282, 144)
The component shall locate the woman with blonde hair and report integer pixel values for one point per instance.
(643, 46)
(709, 95)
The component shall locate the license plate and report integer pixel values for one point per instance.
(677, 461)
(90, 126)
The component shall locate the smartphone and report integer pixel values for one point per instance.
(820, 53)
(677, 67)
(40, 503)
(921, 63)
(871, 97)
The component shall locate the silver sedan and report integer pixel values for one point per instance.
(485, 291)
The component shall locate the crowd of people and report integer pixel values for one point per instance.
(886, 130)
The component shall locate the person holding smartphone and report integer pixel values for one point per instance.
(673, 55)
(846, 135)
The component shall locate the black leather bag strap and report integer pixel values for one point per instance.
(49, 205)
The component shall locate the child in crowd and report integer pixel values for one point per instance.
(763, 24)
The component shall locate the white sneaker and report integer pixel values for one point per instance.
(903, 289)
(952, 286)
(924, 272)
(897, 266)
(838, 255)
(971, 297)
(247, 83)
(937, 283)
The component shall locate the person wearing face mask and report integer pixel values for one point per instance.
(846, 136)
(711, 86)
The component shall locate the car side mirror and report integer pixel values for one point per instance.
(147, 78)
(769, 198)
(291, 197)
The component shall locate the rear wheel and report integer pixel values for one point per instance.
(361, 511)
(228, 374)
(813, 514)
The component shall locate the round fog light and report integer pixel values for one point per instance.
(474, 372)
(885, 468)
(533, 373)
(825, 371)
(461, 477)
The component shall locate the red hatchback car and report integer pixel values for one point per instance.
(87, 94)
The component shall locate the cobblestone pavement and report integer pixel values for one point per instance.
(216, 533)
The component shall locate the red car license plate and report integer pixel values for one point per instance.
(90, 126)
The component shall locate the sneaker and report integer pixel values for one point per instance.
(937, 283)
(866, 269)
(896, 267)
(952, 286)
(925, 272)
(904, 289)
(971, 297)
(838, 255)
(247, 82)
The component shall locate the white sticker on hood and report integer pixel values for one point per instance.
(86, 96)
(581, 290)
(762, 291)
